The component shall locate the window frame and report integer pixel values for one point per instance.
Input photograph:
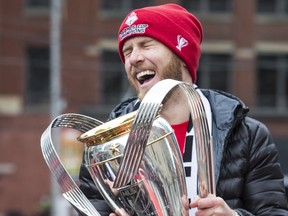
(205, 70)
(31, 9)
(31, 102)
(281, 9)
(205, 7)
(125, 90)
(281, 69)
(125, 7)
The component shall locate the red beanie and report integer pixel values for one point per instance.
(170, 24)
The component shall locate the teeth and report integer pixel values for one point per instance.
(144, 73)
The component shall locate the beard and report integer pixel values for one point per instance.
(171, 71)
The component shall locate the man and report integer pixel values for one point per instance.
(161, 42)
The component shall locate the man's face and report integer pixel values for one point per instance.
(147, 61)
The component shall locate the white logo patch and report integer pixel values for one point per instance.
(134, 29)
(182, 42)
(131, 19)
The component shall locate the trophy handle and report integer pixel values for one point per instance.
(204, 145)
(70, 190)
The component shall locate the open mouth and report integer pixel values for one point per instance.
(145, 76)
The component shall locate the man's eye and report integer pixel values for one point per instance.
(147, 44)
(127, 56)
(126, 53)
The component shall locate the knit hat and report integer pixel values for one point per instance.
(170, 24)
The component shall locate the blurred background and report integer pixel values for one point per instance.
(60, 56)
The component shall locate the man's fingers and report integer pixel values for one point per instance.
(194, 203)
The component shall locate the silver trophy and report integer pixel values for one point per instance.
(134, 160)
(158, 186)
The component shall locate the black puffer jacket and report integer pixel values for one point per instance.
(247, 171)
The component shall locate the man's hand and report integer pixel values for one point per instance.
(120, 212)
(211, 205)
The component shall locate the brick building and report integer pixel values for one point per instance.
(245, 52)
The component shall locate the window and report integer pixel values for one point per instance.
(205, 6)
(37, 8)
(272, 7)
(272, 76)
(38, 3)
(214, 71)
(115, 86)
(122, 7)
(38, 77)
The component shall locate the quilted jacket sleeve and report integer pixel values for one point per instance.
(90, 190)
(264, 189)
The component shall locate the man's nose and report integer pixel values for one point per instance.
(136, 57)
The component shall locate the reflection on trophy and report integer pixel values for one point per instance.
(134, 160)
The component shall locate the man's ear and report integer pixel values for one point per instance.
(184, 65)
(186, 76)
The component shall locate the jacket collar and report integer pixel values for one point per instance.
(227, 112)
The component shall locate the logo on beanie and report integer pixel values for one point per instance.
(182, 42)
(134, 29)
(131, 19)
